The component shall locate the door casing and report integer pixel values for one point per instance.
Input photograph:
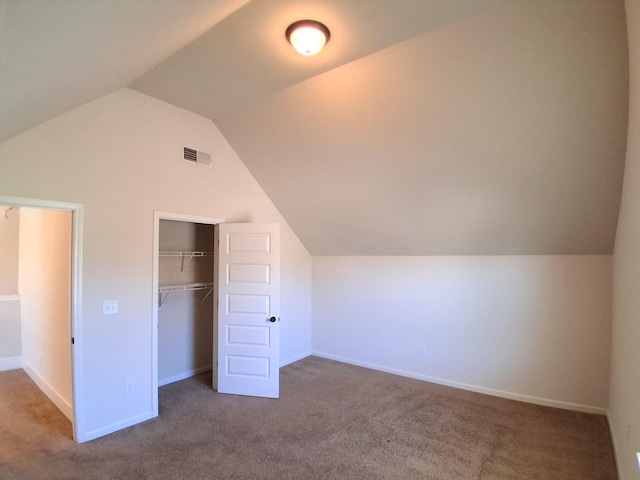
(180, 217)
(75, 300)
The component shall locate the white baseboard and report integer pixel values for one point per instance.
(286, 362)
(114, 427)
(613, 435)
(10, 363)
(59, 401)
(183, 375)
(472, 388)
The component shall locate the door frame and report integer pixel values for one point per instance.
(179, 217)
(75, 310)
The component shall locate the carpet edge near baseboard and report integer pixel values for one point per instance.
(472, 388)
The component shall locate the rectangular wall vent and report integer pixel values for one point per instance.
(196, 156)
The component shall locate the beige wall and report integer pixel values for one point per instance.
(45, 294)
(624, 407)
(119, 157)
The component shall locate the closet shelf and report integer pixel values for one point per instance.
(188, 255)
(171, 253)
(165, 290)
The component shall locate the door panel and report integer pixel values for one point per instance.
(244, 335)
(238, 304)
(248, 328)
(249, 273)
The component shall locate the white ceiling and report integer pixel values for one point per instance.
(57, 55)
(247, 57)
(424, 127)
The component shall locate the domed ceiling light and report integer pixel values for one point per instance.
(308, 36)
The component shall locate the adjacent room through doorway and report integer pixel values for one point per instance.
(35, 298)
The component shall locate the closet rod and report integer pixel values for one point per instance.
(164, 291)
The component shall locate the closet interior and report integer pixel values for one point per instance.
(185, 300)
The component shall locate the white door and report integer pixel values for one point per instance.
(248, 327)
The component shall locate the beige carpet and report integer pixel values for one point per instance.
(333, 421)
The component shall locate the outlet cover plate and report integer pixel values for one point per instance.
(109, 307)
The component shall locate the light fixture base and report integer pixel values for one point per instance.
(308, 37)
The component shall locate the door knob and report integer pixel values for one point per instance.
(273, 319)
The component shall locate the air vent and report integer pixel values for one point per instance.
(196, 156)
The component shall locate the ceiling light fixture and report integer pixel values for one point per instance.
(308, 36)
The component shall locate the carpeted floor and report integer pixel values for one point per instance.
(333, 421)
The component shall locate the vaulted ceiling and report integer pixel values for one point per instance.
(425, 127)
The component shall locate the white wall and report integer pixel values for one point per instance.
(295, 298)
(45, 294)
(119, 156)
(624, 408)
(10, 344)
(10, 333)
(9, 234)
(536, 328)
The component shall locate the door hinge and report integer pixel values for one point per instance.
(73, 341)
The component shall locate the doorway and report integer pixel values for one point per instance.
(46, 317)
(183, 311)
(246, 323)
(185, 304)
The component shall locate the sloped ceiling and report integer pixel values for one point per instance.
(57, 55)
(424, 127)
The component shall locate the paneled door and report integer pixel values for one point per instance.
(247, 263)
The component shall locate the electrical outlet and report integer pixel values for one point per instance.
(422, 352)
(109, 307)
(129, 387)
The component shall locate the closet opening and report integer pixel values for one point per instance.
(184, 309)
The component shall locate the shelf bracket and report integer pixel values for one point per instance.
(162, 298)
(205, 297)
(183, 263)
